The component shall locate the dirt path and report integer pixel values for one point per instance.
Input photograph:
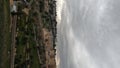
(13, 30)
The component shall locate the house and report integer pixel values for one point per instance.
(13, 6)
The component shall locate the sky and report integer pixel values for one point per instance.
(88, 33)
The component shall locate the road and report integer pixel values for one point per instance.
(13, 31)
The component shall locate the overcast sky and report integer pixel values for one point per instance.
(88, 33)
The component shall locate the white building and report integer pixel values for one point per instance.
(14, 6)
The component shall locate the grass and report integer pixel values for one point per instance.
(35, 60)
(21, 44)
(4, 34)
(24, 36)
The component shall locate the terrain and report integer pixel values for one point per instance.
(28, 36)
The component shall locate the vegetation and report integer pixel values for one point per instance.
(4, 33)
(26, 44)
(30, 47)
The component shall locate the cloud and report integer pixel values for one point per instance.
(91, 42)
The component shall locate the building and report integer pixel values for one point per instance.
(13, 6)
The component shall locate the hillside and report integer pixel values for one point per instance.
(28, 34)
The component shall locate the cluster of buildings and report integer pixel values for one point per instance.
(14, 6)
